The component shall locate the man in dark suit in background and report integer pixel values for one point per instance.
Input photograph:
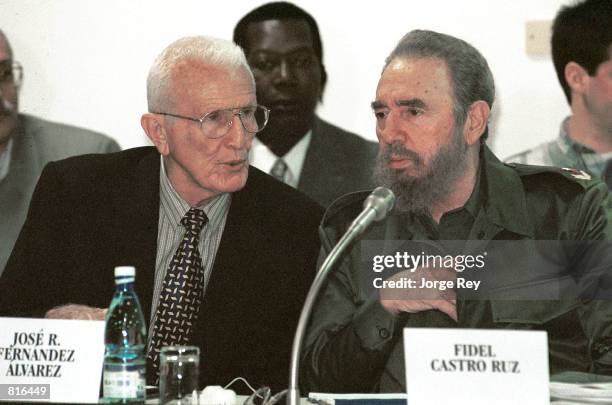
(256, 240)
(27, 144)
(283, 48)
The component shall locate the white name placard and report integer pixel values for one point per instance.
(67, 355)
(476, 366)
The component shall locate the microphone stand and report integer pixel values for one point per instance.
(359, 225)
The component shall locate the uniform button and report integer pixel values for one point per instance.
(384, 333)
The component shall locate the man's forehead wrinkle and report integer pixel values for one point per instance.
(223, 103)
(194, 77)
(270, 52)
(276, 34)
(191, 68)
(194, 67)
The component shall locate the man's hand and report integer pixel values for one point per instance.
(418, 299)
(78, 312)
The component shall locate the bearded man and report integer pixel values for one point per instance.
(432, 106)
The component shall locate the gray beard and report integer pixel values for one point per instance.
(417, 193)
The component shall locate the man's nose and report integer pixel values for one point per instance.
(286, 73)
(391, 129)
(237, 136)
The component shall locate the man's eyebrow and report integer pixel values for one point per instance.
(413, 102)
(377, 104)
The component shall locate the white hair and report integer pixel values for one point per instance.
(212, 51)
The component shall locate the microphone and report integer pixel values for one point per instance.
(375, 208)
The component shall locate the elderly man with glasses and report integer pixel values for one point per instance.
(27, 144)
(250, 243)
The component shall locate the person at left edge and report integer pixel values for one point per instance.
(258, 249)
(27, 144)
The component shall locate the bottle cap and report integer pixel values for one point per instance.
(125, 274)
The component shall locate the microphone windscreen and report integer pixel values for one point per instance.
(381, 200)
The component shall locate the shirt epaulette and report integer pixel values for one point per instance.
(577, 176)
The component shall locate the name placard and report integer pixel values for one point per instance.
(476, 366)
(51, 360)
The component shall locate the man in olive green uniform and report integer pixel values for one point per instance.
(432, 106)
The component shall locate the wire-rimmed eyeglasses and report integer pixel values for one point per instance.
(216, 124)
(11, 72)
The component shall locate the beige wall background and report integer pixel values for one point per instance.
(86, 61)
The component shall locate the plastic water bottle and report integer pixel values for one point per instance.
(125, 340)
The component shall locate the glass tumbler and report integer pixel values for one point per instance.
(178, 375)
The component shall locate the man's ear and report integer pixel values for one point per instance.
(576, 77)
(323, 82)
(155, 130)
(476, 121)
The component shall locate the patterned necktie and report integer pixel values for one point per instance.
(279, 170)
(181, 294)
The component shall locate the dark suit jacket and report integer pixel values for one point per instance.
(337, 162)
(92, 213)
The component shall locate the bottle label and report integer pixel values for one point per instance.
(124, 384)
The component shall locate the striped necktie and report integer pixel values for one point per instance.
(181, 294)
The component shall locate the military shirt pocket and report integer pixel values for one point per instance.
(568, 343)
(519, 304)
(530, 312)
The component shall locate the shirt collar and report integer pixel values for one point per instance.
(579, 155)
(5, 159)
(567, 144)
(503, 197)
(175, 207)
(474, 203)
(296, 155)
(263, 158)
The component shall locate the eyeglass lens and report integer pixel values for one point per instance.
(218, 123)
(10, 72)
